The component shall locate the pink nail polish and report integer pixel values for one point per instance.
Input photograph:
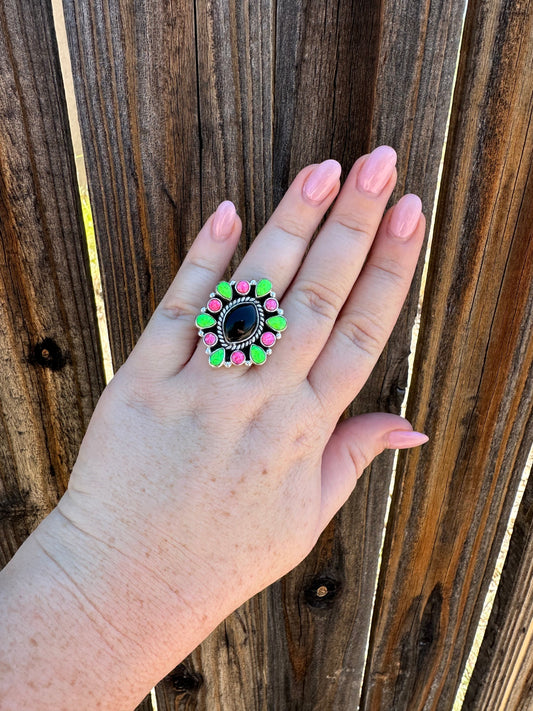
(405, 216)
(403, 439)
(377, 170)
(224, 220)
(321, 181)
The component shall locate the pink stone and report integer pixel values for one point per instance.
(268, 339)
(210, 339)
(214, 305)
(271, 304)
(243, 287)
(237, 357)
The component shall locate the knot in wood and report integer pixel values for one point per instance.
(322, 592)
(185, 681)
(47, 354)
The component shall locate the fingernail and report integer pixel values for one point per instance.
(377, 170)
(321, 181)
(403, 439)
(224, 220)
(405, 216)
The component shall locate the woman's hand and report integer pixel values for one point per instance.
(197, 487)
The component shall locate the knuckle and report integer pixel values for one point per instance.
(324, 396)
(291, 228)
(140, 391)
(367, 334)
(174, 304)
(199, 264)
(387, 272)
(360, 226)
(359, 457)
(320, 299)
(176, 308)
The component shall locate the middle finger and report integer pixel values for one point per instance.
(335, 259)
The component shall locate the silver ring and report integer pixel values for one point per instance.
(240, 323)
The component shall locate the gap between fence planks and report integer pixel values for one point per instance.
(51, 371)
(503, 674)
(472, 386)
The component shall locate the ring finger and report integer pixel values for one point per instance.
(280, 246)
(170, 337)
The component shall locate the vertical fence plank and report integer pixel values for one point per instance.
(404, 54)
(268, 654)
(51, 371)
(218, 119)
(503, 674)
(197, 79)
(134, 69)
(472, 386)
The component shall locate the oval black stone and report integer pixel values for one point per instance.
(240, 322)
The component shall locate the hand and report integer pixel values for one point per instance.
(203, 485)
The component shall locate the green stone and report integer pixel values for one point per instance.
(263, 287)
(257, 354)
(278, 323)
(224, 289)
(205, 321)
(217, 358)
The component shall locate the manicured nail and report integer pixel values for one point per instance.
(403, 439)
(405, 216)
(321, 181)
(224, 220)
(377, 170)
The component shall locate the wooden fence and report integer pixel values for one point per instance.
(184, 104)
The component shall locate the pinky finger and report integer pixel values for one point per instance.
(352, 447)
(171, 335)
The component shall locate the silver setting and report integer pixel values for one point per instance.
(262, 316)
(222, 315)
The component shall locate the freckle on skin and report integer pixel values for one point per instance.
(33, 642)
(264, 472)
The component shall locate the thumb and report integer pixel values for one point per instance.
(352, 446)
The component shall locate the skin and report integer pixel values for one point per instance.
(189, 475)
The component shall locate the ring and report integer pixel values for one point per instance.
(241, 323)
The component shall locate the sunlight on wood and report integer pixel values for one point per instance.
(66, 71)
(491, 594)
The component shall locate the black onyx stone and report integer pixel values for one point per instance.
(240, 322)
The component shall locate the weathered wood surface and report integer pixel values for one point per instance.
(472, 389)
(317, 660)
(183, 106)
(51, 372)
(503, 674)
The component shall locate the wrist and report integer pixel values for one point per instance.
(80, 617)
(134, 603)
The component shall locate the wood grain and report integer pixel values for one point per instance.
(51, 372)
(324, 639)
(134, 69)
(472, 386)
(503, 674)
(248, 99)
